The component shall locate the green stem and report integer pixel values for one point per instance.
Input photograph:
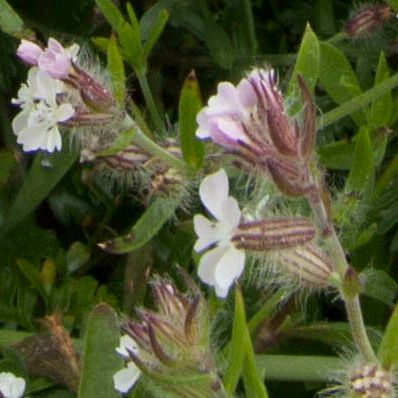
(353, 308)
(157, 120)
(357, 102)
(298, 368)
(156, 150)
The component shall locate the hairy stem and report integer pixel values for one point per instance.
(352, 304)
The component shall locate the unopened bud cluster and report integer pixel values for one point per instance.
(367, 19)
(371, 381)
(174, 343)
(60, 95)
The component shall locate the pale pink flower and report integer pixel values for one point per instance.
(56, 60)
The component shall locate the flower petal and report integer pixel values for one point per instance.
(213, 192)
(11, 386)
(208, 263)
(229, 267)
(230, 213)
(124, 379)
(206, 232)
(127, 345)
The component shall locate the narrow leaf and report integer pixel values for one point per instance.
(363, 167)
(133, 20)
(337, 77)
(33, 276)
(237, 348)
(100, 361)
(38, 183)
(189, 105)
(307, 63)
(388, 350)
(116, 71)
(155, 31)
(144, 229)
(337, 155)
(10, 22)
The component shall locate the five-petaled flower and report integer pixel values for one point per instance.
(125, 379)
(11, 386)
(222, 265)
(36, 126)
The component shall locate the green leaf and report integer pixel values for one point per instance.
(144, 229)
(10, 22)
(307, 63)
(381, 109)
(7, 164)
(155, 31)
(101, 43)
(38, 183)
(337, 155)
(111, 13)
(237, 346)
(116, 71)
(189, 105)
(388, 350)
(363, 166)
(100, 361)
(241, 355)
(32, 274)
(380, 286)
(337, 77)
(133, 20)
(132, 48)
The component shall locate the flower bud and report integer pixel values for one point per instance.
(371, 381)
(367, 19)
(174, 342)
(307, 265)
(273, 234)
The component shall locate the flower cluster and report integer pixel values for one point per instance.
(169, 345)
(57, 93)
(11, 386)
(250, 121)
(224, 263)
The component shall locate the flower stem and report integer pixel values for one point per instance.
(156, 150)
(358, 102)
(157, 120)
(352, 304)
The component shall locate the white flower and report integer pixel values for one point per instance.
(11, 386)
(222, 265)
(36, 126)
(125, 379)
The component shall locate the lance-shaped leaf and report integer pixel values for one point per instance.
(337, 77)
(155, 31)
(10, 22)
(38, 183)
(116, 71)
(189, 105)
(111, 13)
(100, 361)
(388, 350)
(308, 61)
(144, 229)
(362, 170)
